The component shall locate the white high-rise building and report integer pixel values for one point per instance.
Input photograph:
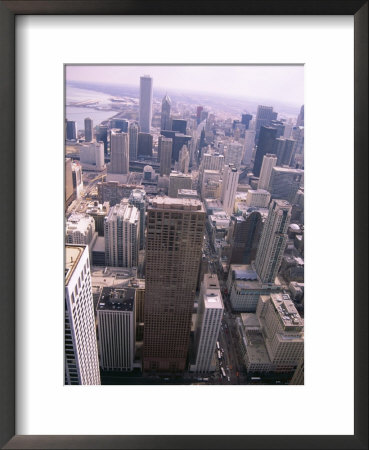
(116, 329)
(183, 160)
(119, 144)
(234, 154)
(92, 155)
(269, 161)
(145, 103)
(258, 198)
(209, 319)
(249, 147)
(122, 234)
(229, 188)
(80, 229)
(273, 241)
(80, 345)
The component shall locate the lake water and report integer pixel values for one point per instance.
(79, 113)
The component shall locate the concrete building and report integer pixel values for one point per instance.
(80, 345)
(178, 180)
(80, 229)
(233, 154)
(77, 179)
(119, 157)
(92, 156)
(229, 188)
(209, 319)
(165, 151)
(272, 340)
(273, 241)
(138, 199)
(116, 329)
(245, 288)
(211, 184)
(98, 212)
(113, 191)
(89, 129)
(183, 160)
(285, 182)
(69, 192)
(285, 149)
(258, 198)
(269, 161)
(175, 235)
(122, 234)
(249, 147)
(283, 331)
(133, 131)
(145, 112)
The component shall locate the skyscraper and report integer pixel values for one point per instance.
(229, 188)
(116, 328)
(80, 346)
(145, 103)
(89, 135)
(246, 119)
(133, 131)
(165, 150)
(175, 231)
(209, 319)
(273, 241)
(120, 124)
(178, 181)
(264, 115)
(269, 161)
(121, 233)
(285, 151)
(71, 132)
(300, 119)
(144, 146)
(285, 182)
(165, 113)
(179, 125)
(119, 143)
(183, 160)
(249, 146)
(265, 145)
(138, 199)
(234, 154)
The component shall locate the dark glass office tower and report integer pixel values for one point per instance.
(265, 145)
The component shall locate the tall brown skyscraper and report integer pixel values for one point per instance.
(175, 230)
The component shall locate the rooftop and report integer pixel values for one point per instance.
(116, 299)
(73, 254)
(286, 310)
(191, 204)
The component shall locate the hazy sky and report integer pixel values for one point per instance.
(283, 83)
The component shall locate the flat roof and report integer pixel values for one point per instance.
(116, 299)
(73, 254)
(183, 204)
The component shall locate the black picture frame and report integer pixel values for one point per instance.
(8, 11)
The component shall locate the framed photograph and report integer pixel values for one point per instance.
(54, 55)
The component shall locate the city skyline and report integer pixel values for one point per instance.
(257, 82)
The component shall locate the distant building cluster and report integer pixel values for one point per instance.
(184, 244)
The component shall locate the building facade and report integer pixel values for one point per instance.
(175, 234)
(80, 345)
(119, 157)
(122, 233)
(145, 103)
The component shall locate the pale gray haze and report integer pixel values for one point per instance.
(283, 83)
